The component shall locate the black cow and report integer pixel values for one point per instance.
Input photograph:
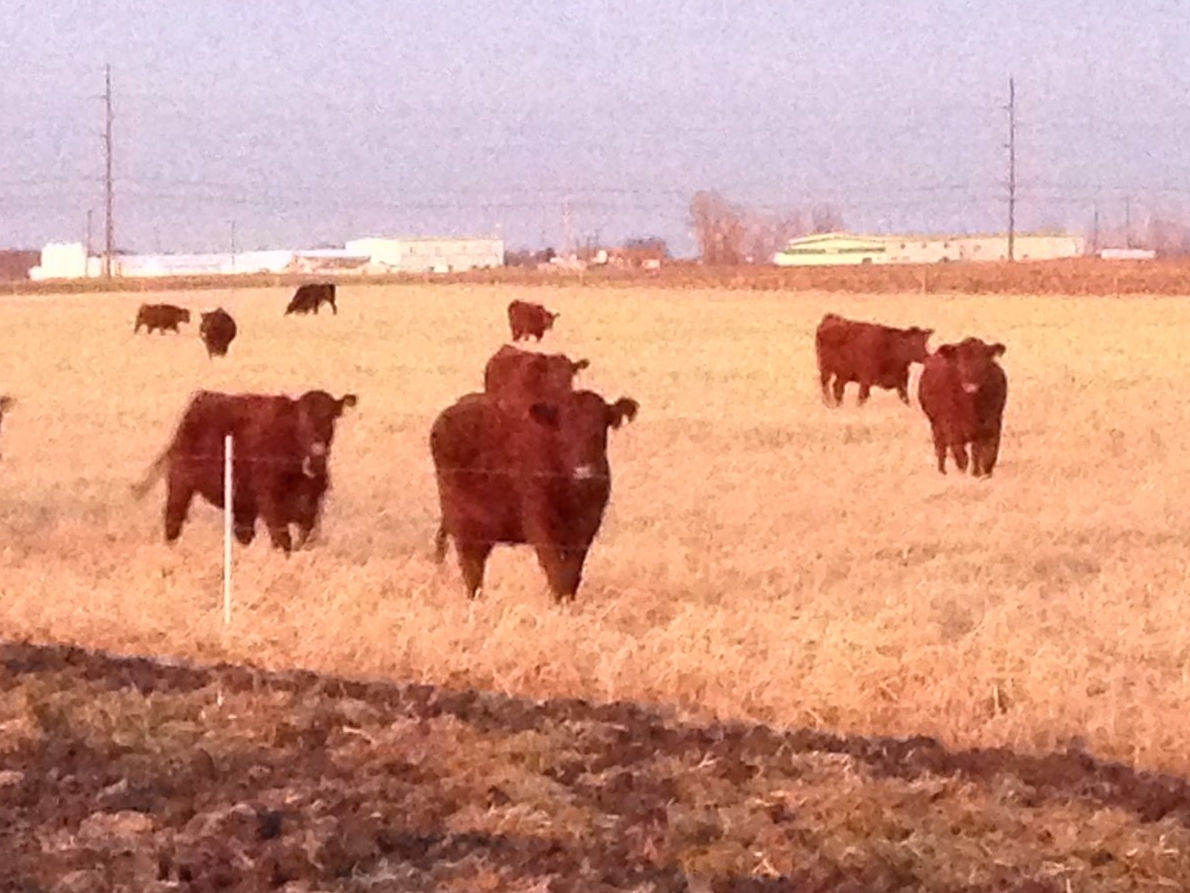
(217, 330)
(308, 297)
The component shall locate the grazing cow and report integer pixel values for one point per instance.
(869, 353)
(523, 377)
(6, 403)
(539, 476)
(962, 391)
(525, 319)
(309, 296)
(217, 330)
(280, 461)
(160, 317)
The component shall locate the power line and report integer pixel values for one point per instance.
(1011, 167)
(108, 186)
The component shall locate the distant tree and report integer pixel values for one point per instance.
(650, 246)
(826, 218)
(719, 229)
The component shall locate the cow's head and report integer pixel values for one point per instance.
(317, 412)
(549, 318)
(185, 315)
(912, 344)
(974, 361)
(6, 403)
(579, 424)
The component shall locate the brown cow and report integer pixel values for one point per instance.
(868, 353)
(519, 376)
(280, 461)
(217, 330)
(539, 476)
(525, 319)
(160, 317)
(962, 391)
(6, 403)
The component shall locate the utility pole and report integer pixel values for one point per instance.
(1128, 221)
(566, 226)
(109, 248)
(1095, 232)
(233, 245)
(87, 269)
(1011, 108)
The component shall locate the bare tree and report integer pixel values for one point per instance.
(718, 227)
(826, 218)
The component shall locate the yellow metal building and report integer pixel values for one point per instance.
(847, 248)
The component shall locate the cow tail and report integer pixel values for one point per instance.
(155, 471)
(440, 543)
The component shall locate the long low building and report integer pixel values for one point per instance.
(69, 260)
(430, 255)
(822, 249)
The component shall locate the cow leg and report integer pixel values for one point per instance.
(440, 544)
(243, 522)
(865, 391)
(824, 379)
(177, 507)
(991, 452)
(959, 451)
(276, 520)
(563, 569)
(940, 449)
(838, 386)
(472, 559)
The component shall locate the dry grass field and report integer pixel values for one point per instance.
(763, 557)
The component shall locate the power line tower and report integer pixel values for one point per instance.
(1011, 109)
(109, 247)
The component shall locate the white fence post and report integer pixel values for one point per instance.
(227, 528)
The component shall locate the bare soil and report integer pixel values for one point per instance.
(131, 774)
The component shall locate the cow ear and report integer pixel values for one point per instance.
(623, 409)
(946, 351)
(927, 332)
(544, 414)
(580, 365)
(347, 400)
(996, 349)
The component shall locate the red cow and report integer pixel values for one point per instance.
(538, 476)
(962, 391)
(280, 461)
(525, 319)
(520, 376)
(868, 353)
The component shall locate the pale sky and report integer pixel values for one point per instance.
(301, 125)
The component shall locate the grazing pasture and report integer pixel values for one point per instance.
(763, 556)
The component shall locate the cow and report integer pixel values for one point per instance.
(962, 391)
(520, 376)
(868, 353)
(160, 317)
(6, 403)
(280, 461)
(217, 330)
(525, 319)
(309, 296)
(537, 476)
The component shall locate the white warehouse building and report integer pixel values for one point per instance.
(430, 255)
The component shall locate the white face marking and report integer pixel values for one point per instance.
(307, 467)
(318, 449)
(584, 472)
(970, 388)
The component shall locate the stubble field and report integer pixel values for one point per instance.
(763, 557)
